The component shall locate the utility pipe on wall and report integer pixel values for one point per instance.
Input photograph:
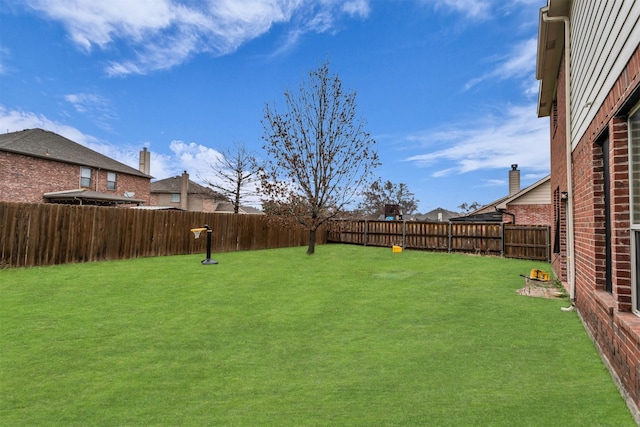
(569, 149)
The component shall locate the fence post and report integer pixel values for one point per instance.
(547, 240)
(366, 228)
(449, 240)
(404, 232)
(502, 239)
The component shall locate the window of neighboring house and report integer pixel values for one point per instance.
(175, 198)
(111, 180)
(634, 195)
(85, 177)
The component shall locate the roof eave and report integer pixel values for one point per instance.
(549, 54)
(83, 194)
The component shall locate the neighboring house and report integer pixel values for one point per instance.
(227, 207)
(182, 193)
(38, 166)
(436, 215)
(529, 206)
(588, 64)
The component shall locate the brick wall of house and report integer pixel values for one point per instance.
(140, 186)
(529, 214)
(25, 179)
(209, 205)
(607, 315)
(585, 209)
(155, 200)
(620, 211)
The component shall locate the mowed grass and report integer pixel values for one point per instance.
(350, 336)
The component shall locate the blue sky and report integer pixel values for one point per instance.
(447, 87)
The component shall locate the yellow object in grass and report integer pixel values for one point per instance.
(396, 249)
(539, 275)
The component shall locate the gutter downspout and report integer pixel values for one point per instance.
(567, 89)
(504, 212)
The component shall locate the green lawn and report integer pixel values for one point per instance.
(350, 336)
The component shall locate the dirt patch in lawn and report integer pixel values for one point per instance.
(540, 289)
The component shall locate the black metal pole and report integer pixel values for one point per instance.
(208, 260)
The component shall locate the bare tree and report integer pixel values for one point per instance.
(378, 194)
(469, 207)
(237, 175)
(319, 156)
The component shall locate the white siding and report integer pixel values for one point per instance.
(541, 195)
(604, 35)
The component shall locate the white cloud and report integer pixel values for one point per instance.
(84, 102)
(16, 120)
(96, 23)
(194, 157)
(477, 9)
(357, 8)
(519, 63)
(94, 106)
(515, 136)
(165, 33)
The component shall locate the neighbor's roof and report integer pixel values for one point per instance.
(228, 208)
(90, 196)
(48, 145)
(157, 208)
(488, 212)
(434, 214)
(174, 185)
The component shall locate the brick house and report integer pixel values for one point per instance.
(38, 166)
(527, 206)
(588, 64)
(181, 193)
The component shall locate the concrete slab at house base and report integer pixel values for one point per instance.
(540, 289)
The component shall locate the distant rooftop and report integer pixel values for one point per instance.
(174, 185)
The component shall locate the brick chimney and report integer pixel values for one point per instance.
(145, 162)
(184, 191)
(514, 180)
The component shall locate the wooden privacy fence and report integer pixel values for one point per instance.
(511, 241)
(46, 234)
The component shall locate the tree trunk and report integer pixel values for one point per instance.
(236, 202)
(312, 242)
